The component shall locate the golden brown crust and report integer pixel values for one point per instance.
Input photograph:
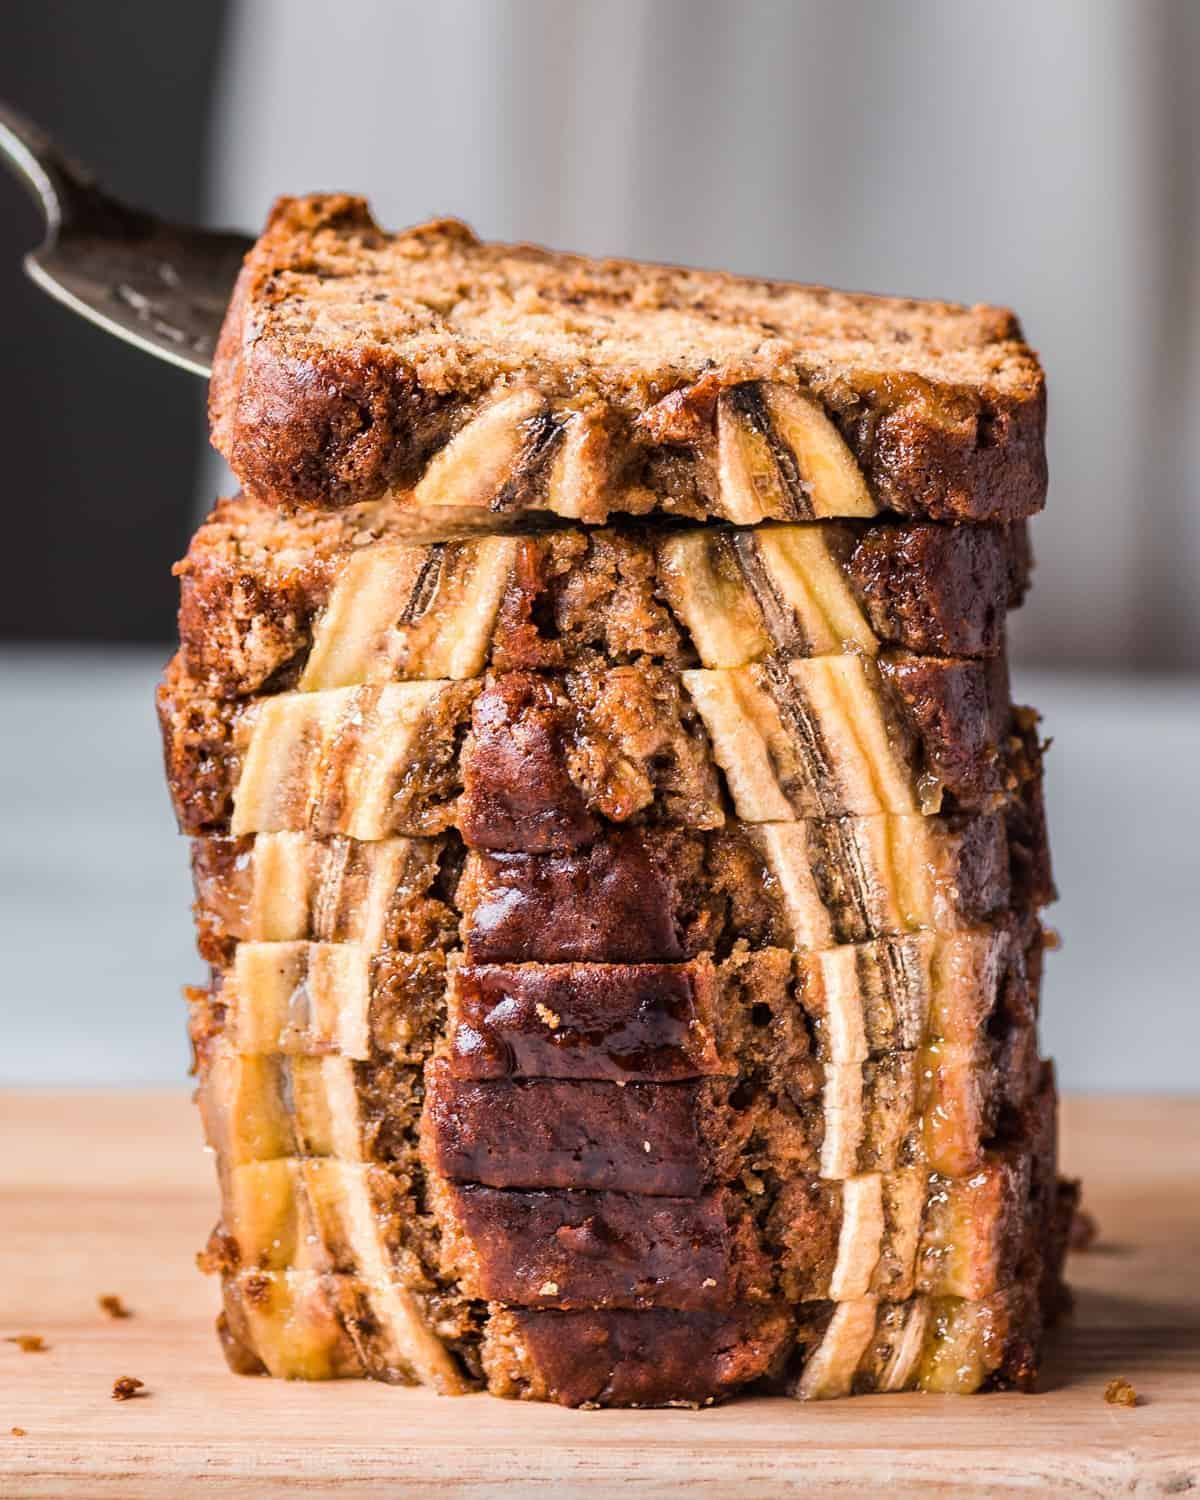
(349, 357)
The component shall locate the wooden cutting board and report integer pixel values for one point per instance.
(111, 1193)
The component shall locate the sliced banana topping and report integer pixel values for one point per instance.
(802, 589)
(938, 1344)
(975, 1228)
(938, 1105)
(831, 1366)
(256, 1107)
(779, 457)
(702, 575)
(418, 613)
(905, 1195)
(302, 998)
(372, 592)
(748, 743)
(580, 479)
(335, 1216)
(488, 456)
(966, 1339)
(847, 879)
(753, 485)
(742, 595)
(903, 1330)
(867, 998)
(826, 468)
(306, 1325)
(958, 1104)
(289, 886)
(280, 881)
(309, 999)
(808, 739)
(860, 1239)
(902, 993)
(347, 760)
(773, 454)
(290, 1321)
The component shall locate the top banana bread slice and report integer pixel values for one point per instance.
(510, 378)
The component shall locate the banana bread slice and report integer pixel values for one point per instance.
(507, 377)
(338, 599)
(638, 896)
(540, 761)
(305, 1325)
(621, 1022)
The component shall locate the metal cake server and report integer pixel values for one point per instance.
(163, 287)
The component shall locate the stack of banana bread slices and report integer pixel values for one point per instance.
(617, 855)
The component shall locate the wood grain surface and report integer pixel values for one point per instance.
(104, 1193)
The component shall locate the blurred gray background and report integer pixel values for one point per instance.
(1044, 154)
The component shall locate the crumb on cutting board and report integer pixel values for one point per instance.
(1119, 1392)
(28, 1343)
(17, 1431)
(126, 1387)
(111, 1304)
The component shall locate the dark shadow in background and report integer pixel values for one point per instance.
(100, 443)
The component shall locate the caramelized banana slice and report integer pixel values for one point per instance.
(977, 1230)
(289, 1324)
(302, 1325)
(833, 735)
(494, 455)
(581, 481)
(850, 878)
(830, 1369)
(257, 1107)
(319, 1216)
(900, 1336)
(310, 999)
(938, 989)
(276, 887)
(969, 1343)
(367, 762)
(868, 1109)
(860, 1242)
(346, 1218)
(943, 1344)
(300, 997)
(808, 739)
(411, 612)
(779, 457)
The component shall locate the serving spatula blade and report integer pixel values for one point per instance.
(161, 287)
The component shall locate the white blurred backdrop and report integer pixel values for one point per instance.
(1042, 154)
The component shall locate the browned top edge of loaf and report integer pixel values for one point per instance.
(942, 405)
